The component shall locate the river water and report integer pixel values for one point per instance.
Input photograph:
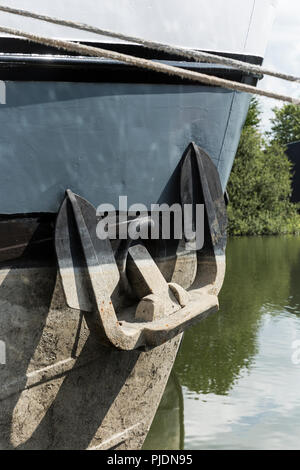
(236, 380)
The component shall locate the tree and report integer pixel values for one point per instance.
(285, 124)
(260, 185)
(253, 116)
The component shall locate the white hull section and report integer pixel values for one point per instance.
(230, 26)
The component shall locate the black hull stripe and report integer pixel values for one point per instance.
(20, 60)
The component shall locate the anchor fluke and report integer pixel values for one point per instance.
(93, 273)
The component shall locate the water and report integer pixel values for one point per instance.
(236, 380)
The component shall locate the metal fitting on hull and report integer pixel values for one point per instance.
(161, 310)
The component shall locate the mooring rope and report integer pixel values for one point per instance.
(180, 51)
(148, 64)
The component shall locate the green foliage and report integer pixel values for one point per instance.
(285, 124)
(260, 185)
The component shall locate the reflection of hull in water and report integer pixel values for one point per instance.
(167, 430)
(293, 153)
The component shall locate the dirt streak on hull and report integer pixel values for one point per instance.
(61, 389)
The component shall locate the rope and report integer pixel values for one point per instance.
(148, 64)
(180, 51)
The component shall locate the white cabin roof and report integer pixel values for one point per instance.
(235, 26)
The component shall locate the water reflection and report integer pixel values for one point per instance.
(239, 383)
(260, 272)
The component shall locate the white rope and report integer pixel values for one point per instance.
(180, 51)
(148, 64)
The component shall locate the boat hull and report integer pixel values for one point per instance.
(167, 429)
(105, 140)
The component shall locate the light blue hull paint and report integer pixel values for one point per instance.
(103, 140)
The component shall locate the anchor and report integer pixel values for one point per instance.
(124, 295)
